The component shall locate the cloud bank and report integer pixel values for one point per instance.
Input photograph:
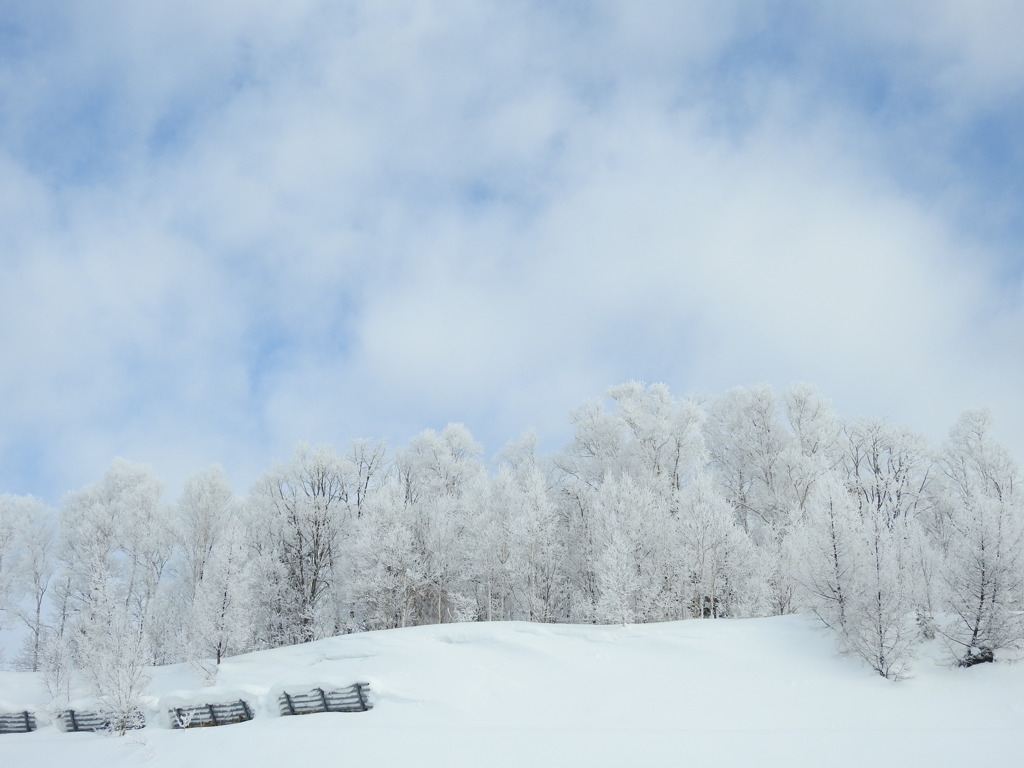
(229, 229)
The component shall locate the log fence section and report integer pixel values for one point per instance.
(207, 715)
(75, 721)
(351, 699)
(17, 722)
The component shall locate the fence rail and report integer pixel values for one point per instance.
(75, 721)
(207, 715)
(17, 722)
(351, 699)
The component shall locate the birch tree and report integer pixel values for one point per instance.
(984, 568)
(304, 505)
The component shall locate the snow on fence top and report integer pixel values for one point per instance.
(17, 722)
(206, 715)
(351, 699)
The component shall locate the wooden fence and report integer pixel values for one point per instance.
(17, 722)
(207, 715)
(354, 698)
(351, 699)
(75, 721)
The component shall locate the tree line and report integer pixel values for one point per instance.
(753, 503)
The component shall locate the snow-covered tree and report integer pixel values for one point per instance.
(516, 549)
(114, 549)
(9, 524)
(303, 509)
(388, 573)
(826, 554)
(648, 447)
(632, 570)
(879, 625)
(112, 652)
(35, 572)
(725, 570)
(204, 510)
(220, 614)
(984, 564)
(536, 551)
(417, 534)
(663, 444)
(889, 470)
(11, 514)
(216, 590)
(26, 572)
(749, 448)
(855, 564)
(369, 457)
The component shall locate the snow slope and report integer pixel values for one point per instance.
(758, 692)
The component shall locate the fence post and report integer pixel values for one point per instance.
(362, 698)
(74, 721)
(323, 698)
(28, 725)
(213, 715)
(291, 705)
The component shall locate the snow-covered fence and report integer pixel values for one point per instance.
(206, 715)
(74, 721)
(351, 699)
(17, 722)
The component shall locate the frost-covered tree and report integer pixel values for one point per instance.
(889, 470)
(725, 570)
(855, 564)
(879, 626)
(536, 549)
(26, 572)
(633, 568)
(369, 457)
(304, 513)
(204, 509)
(224, 599)
(648, 446)
(663, 444)
(826, 554)
(649, 435)
(431, 499)
(114, 549)
(749, 447)
(216, 586)
(35, 572)
(816, 429)
(9, 524)
(984, 564)
(517, 548)
(11, 514)
(388, 573)
(112, 652)
(491, 553)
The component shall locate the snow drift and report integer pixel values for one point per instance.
(700, 692)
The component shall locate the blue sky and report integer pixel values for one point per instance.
(227, 228)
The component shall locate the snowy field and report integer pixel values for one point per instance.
(758, 692)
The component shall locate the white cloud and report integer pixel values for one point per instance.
(321, 223)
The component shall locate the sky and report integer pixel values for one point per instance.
(228, 228)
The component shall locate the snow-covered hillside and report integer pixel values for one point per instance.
(756, 692)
